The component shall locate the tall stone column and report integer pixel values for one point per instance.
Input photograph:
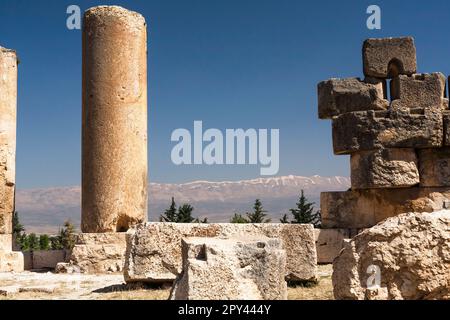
(114, 160)
(8, 106)
(9, 260)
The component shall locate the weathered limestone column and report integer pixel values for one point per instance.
(10, 261)
(8, 106)
(114, 164)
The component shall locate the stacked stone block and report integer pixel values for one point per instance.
(399, 149)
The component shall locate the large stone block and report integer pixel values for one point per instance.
(426, 90)
(48, 259)
(11, 261)
(434, 167)
(338, 96)
(389, 57)
(384, 168)
(402, 128)
(361, 209)
(405, 257)
(446, 121)
(329, 243)
(154, 249)
(231, 269)
(99, 252)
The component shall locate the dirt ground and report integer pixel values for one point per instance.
(50, 286)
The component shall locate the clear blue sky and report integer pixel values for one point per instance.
(232, 64)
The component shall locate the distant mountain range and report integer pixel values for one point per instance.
(44, 210)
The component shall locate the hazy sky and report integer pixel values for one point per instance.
(231, 64)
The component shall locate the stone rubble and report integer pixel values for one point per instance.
(400, 162)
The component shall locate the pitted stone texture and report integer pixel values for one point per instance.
(8, 109)
(435, 167)
(114, 166)
(231, 269)
(338, 96)
(425, 90)
(99, 252)
(389, 57)
(361, 209)
(329, 243)
(402, 128)
(154, 249)
(412, 252)
(6, 242)
(11, 261)
(384, 168)
(446, 120)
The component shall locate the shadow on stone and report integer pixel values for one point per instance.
(134, 287)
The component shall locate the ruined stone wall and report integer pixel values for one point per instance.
(399, 147)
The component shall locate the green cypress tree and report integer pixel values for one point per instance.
(170, 215)
(18, 230)
(304, 213)
(258, 215)
(44, 242)
(67, 235)
(185, 214)
(33, 242)
(55, 243)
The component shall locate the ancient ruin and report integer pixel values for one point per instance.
(247, 269)
(398, 155)
(9, 260)
(114, 166)
(407, 253)
(154, 252)
(399, 163)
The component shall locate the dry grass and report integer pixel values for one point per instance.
(322, 291)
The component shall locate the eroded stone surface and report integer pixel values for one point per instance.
(114, 166)
(329, 242)
(231, 269)
(98, 253)
(5, 242)
(361, 209)
(425, 90)
(434, 167)
(412, 253)
(384, 168)
(338, 96)
(11, 261)
(446, 120)
(402, 128)
(8, 109)
(154, 249)
(389, 57)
